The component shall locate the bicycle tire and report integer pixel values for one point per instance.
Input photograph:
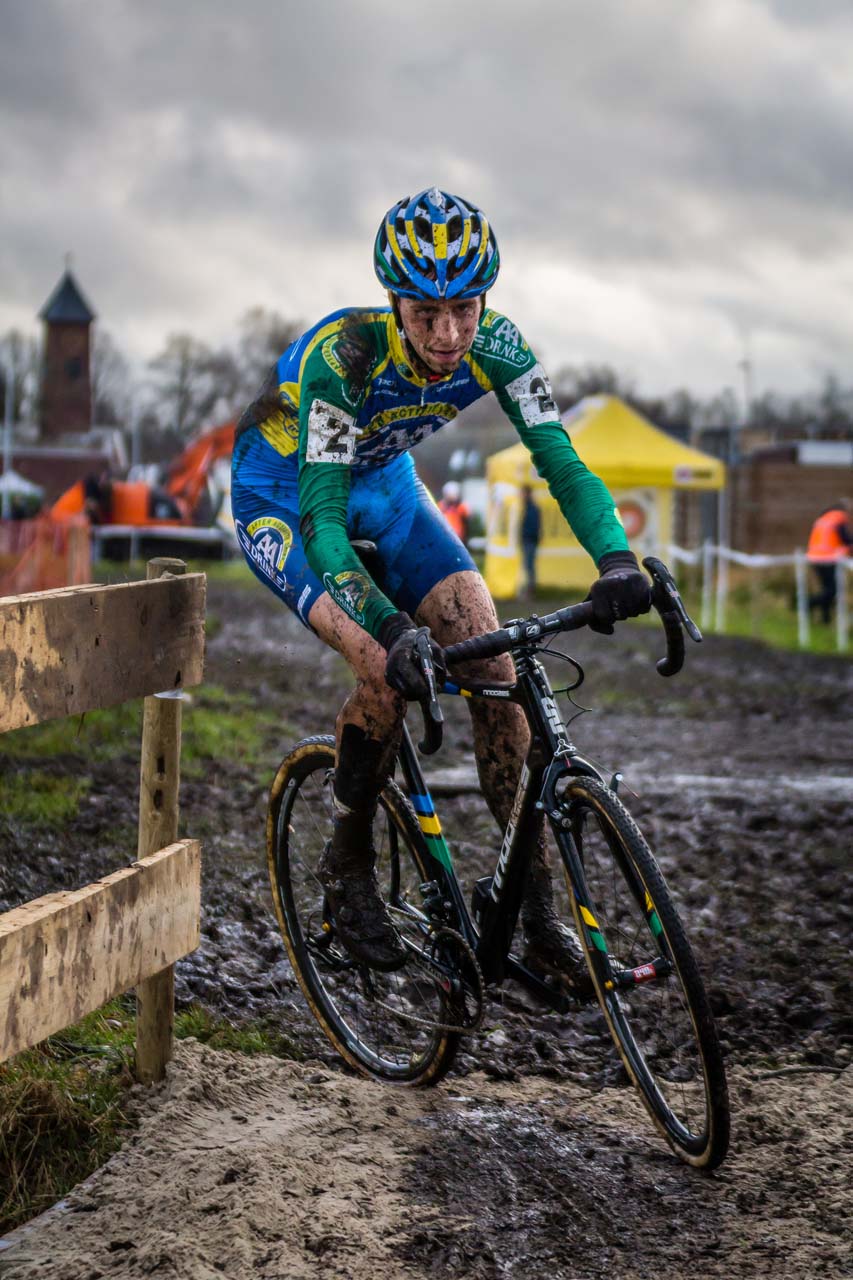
(661, 1022)
(390, 1026)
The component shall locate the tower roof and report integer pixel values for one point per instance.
(66, 305)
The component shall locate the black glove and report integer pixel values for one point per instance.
(403, 671)
(622, 591)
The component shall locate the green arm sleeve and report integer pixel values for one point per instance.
(524, 394)
(583, 498)
(328, 432)
(323, 492)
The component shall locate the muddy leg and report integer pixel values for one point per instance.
(367, 730)
(455, 609)
(368, 734)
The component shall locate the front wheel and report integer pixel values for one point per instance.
(646, 976)
(392, 1026)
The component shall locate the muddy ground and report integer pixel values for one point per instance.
(532, 1158)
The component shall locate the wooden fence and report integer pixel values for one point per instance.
(62, 956)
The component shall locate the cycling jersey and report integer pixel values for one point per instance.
(345, 397)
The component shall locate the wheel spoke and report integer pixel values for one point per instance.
(662, 1027)
(392, 1025)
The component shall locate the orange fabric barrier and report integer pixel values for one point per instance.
(41, 554)
(70, 503)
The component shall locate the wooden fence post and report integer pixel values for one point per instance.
(158, 827)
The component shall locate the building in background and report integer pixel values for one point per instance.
(65, 402)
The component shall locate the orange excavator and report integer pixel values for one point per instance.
(184, 498)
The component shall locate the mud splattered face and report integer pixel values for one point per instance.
(440, 333)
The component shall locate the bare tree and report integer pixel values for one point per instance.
(573, 382)
(185, 383)
(264, 335)
(25, 354)
(111, 382)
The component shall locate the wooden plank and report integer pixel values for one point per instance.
(72, 650)
(65, 955)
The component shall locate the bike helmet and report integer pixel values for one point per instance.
(434, 245)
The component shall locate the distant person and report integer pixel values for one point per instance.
(454, 510)
(531, 533)
(830, 540)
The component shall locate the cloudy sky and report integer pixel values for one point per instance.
(671, 183)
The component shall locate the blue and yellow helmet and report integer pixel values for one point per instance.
(434, 245)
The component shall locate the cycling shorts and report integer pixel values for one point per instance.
(388, 505)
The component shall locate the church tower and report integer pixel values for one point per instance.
(66, 380)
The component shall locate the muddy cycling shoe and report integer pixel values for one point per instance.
(552, 949)
(360, 916)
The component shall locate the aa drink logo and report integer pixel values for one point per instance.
(350, 590)
(266, 541)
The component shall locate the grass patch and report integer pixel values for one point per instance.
(764, 613)
(216, 725)
(248, 1038)
(64, 1104)
(42, 799)
(95, 735)
(221, 725)
(62, 1113)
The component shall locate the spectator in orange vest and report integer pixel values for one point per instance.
(454, 510)
(830, 540)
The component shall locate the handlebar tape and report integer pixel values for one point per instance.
(488, 646)
(674, 660)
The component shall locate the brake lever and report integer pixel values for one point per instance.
(666, 597)
(430, 707)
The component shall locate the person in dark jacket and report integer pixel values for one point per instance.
(531, 533)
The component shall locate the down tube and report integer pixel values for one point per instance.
(433, 836)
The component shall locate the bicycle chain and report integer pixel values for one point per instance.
(415, 956)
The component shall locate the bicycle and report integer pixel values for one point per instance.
(405, 1027)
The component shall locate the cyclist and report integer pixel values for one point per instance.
(322, 457)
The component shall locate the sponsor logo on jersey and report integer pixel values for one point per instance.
(302, 601)
(488, 345)
(500, 339)
(532, 393)
(266, 541)
(350, 590)
(409, 412)
(331, 359)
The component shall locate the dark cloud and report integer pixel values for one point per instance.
(174, 146)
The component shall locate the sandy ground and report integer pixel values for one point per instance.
(261, 1168)
(526, 1161)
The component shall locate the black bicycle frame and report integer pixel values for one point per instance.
(550, 757)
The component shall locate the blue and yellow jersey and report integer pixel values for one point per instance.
(345, 396)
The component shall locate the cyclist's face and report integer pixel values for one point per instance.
(440, 333)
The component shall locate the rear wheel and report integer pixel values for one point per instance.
(646, 977)
(393, 1026)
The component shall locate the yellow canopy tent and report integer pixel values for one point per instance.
(642, 467)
